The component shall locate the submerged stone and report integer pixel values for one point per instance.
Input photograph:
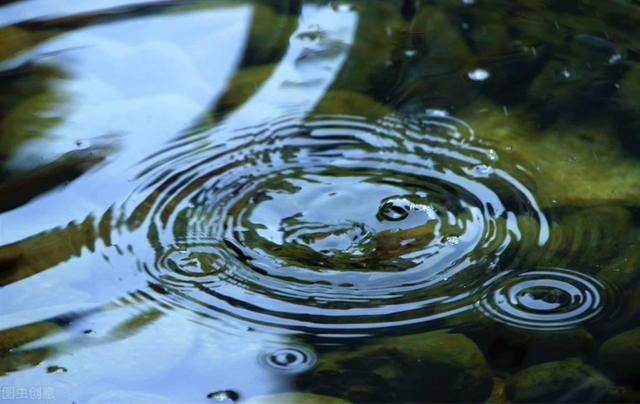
(564, 381)
(433, 366)
(268, 36)
(511, 348)
(244, 83)
(583, 239)
(620, 355)
(350, 103)
(15, 337)
(375, 37)
(567, 165)
(442, 63)
(624, 269)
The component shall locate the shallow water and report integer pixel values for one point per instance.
(380, 201)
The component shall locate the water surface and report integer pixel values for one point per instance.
(380, 201)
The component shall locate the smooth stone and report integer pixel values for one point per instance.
(511, 348)
(244, 83)
(374, 41)
(591, 159)
(350, 103)
(433, 366)
(443, 59)
(15, 337)
(268, 37)
(564, 381)
(619, 356)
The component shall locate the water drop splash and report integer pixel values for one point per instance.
(479, 75)
(329, 225)
(544, 299)
(290, 359)
(224, 396)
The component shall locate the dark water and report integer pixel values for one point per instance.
(298, 201)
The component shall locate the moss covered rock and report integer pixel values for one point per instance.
(619, 356)
(350, 103)
(434, 366)
(268, 37)
(563, 381)
(511, 348)
(375, 37)
(581, 239)
(244, 83)
(435, 76)
(567, 165)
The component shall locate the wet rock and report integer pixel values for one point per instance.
(31, 118)
(624, 270)
(350, 103)
(268, 36)
(17, 336)
(437, 77)
(568, 165)
(243, 85)
(434, 366)
(628, 120)
(619, 356)
(510, 348)
(563, 381)
(42, 251)
(489, 39)
(378, 23)
(567, 90)
(498, 394)
(14, 40)
(583, 239)
(438, 37)
(630, 88)
(295, 398)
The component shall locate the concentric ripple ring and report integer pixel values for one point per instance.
(544, 299)
(331, 224)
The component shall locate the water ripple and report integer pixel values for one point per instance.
(545, 299)
(332, 224)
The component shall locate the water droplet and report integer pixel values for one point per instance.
(222, 396)
(615, 58)
(428, 210)
(452, 240)
(566, 74)
(410, 53)
(394, 209)
(440, 113)
(290, 359)
(481, 170)
(492, 154)
(479, 75)
(56, 369)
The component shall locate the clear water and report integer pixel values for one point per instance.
(297, 201)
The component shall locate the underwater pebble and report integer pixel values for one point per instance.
(618, 355)
(562, 381)
(433, 366)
